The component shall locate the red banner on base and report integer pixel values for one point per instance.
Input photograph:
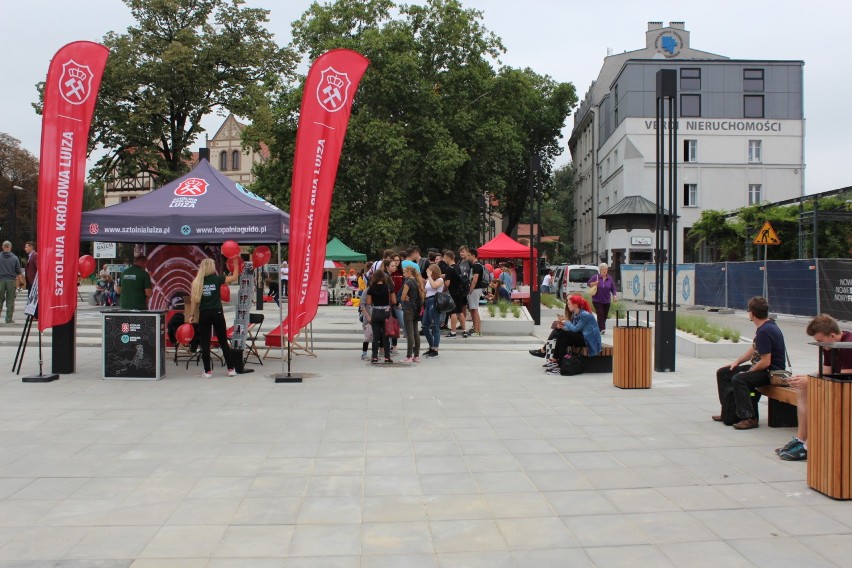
(70, 92)
(326, 105)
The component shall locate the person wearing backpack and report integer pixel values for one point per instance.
(411, 298)
(458, 292)
(479, 279)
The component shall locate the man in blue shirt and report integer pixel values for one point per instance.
(766, 354)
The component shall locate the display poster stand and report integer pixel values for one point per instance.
(30, 310)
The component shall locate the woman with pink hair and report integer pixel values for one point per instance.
(581, 330)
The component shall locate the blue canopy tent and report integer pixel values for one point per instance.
(202, 207)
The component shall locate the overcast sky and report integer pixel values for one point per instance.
(562, 38)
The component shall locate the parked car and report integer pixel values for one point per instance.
(572, 279)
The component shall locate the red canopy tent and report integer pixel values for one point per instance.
(504, 246)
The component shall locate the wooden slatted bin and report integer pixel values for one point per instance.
(830, 436)
(632, 357)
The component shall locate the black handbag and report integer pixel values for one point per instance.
(571, 364)
(444, 302)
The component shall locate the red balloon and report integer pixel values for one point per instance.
(185, 333)
(225, 293)
(86, 265)
(261, 256)
(235, 265)
(489, 268)
(230, 249)
(498, 272)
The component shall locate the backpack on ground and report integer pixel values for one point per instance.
(571, 364)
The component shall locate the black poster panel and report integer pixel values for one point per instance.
(130, 346)
(835, 288)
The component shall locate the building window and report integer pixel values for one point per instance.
(235, 160)
(753, 80)
(690, 150)
(755, 151)
(690, 79)
(223, 161)
(753, 106)
(690, 105)
(690, 195)
(755, 193)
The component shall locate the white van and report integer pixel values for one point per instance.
(572, 279)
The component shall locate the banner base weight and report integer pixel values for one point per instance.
(40, 378)
(288, 378)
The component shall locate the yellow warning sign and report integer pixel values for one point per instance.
(767, 235)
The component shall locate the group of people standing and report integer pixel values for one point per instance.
(405, 285)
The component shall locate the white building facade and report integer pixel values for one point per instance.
(740, 129)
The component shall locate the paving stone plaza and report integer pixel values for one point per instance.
(473, 459)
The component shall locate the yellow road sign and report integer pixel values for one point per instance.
(767, 235)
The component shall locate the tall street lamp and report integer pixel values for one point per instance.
(33, 219)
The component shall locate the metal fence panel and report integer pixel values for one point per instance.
(710, 284)
(792, 287)
(835, 288)
(745, 280)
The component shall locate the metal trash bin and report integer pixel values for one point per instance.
(632, 356)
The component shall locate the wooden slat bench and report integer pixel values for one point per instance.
(782, 405)
(600, 363)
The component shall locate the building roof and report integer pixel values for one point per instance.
(633, 212)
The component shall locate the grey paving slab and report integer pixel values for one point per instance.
(451, 463)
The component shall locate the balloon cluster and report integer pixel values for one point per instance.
(494, 272)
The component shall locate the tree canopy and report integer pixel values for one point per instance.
(18, 167)
(183, 60)
(722, 236)
(436, 123)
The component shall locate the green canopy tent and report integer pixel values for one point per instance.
(336, 250)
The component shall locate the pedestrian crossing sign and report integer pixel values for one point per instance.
(767, 235)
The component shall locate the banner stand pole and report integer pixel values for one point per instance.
(41, 377)
(282, 377)
(289, 377)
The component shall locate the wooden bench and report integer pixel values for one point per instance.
(600, 363)
(782, 405)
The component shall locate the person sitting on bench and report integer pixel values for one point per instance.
(766, 354)
(822, 328)
(581, 330)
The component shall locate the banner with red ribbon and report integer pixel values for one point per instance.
(70, 92)
(326, 105)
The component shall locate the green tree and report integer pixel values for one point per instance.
(724, 236)
(18, 167)
(183, 60)
(434, 127)
(557, 214)
(717, 236)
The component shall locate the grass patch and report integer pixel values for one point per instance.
(503, 307)
(701, 327)
(492, 309)
(516, 310)
(551, 301)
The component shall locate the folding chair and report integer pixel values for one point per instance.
(255, 323)
(181, 351)
(214, 345)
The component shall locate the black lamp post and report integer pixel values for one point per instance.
(666, 257)
(535, 295)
